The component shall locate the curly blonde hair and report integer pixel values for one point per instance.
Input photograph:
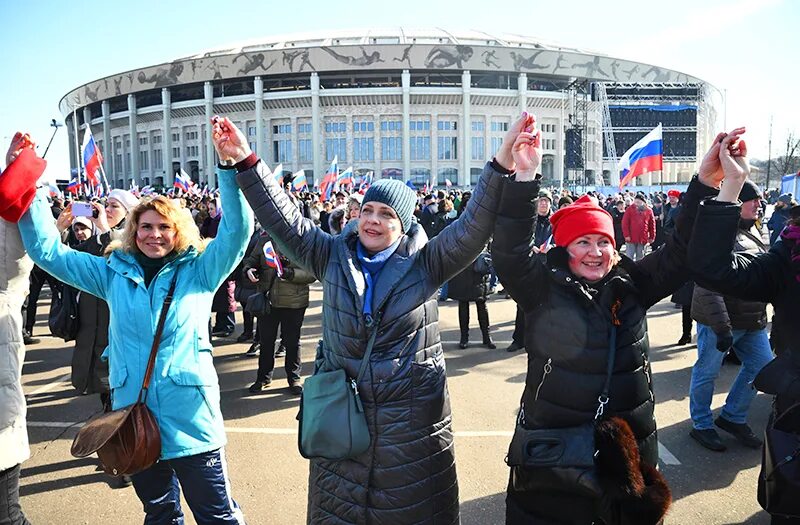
(186, 232)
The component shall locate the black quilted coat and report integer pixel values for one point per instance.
(408, 475)
(568, 325)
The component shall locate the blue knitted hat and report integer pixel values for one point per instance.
(397, 196)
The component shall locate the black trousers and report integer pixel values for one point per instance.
(247, 323)
(463, 317)
(776, 520)
(38, 278)
(686, 318)
(10, 511)
(290, 322)
(518, 336)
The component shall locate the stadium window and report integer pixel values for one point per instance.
(143, 141)
(176, 137)
(304, 127)
(306, 150)
(499, 126)
(282, 150)
(156, 139)
(420, 148)
(420, 176)
(158, 162)
(447, 148)
(176, 153)
(364, 148)
(391, 148)
(143, 161)
(477, 148)
(477, 125)
(447, 125)
(496, 142)
(447, 173)
(282, 129)
(251, 130)
(336, 147)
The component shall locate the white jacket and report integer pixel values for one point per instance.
(15, 267)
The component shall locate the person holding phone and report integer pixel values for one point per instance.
(160, 245)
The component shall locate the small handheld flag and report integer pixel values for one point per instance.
(272, 258)
(92, 158)
(299, 181)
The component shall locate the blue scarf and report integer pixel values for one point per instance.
(371, 268)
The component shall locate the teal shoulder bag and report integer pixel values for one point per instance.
(333, 425)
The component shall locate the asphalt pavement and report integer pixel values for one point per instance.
(269, 477)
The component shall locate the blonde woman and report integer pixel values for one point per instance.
(160, 246)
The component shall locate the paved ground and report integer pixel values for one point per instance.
(269, 476)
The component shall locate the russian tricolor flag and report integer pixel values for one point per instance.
(272, 259)
(299, 182)
(182, 181)
(326, 186)
(92, 159)
(643, 157)
(73, 186)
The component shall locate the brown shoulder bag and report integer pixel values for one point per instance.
(127, 440)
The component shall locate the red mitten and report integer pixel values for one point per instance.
(18, 184)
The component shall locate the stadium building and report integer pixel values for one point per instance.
(411, 104)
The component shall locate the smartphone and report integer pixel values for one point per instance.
(82, 209)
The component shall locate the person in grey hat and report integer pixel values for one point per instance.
(780, 216)
(382, 272)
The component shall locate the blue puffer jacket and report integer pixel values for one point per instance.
(184, 391)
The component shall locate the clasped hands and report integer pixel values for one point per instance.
(521, 150)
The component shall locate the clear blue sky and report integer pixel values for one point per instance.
(748, 48)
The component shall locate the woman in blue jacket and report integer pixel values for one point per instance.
(161, 243)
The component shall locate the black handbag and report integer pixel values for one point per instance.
(259, 303)
(63, 318)
(779, 480)
(560, 459)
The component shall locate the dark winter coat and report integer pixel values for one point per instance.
(568, 324)
(619, 236)
(89, 371)
(408, 474)
(767, 278)
(724, 313)
(776, 223)
(469, 285)
(291, 291)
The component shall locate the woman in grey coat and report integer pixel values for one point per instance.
(383, 269)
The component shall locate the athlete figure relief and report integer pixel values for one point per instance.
(252, 62)
(364, 60)
(163, 76)
(405, 57)
(520, 62)
(440, 57)
(592, 67)
(290, 56)
(490, 58)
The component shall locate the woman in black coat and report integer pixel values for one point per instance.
(773, 277)
(381, 272)
(582, 300)
(472, 285)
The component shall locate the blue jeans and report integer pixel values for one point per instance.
(204, 478)
(443, 291)
(752, 348)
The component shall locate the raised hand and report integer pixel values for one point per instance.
(19, 142)
(64, 220)
(101, 221)
(504, 155)
(710, 172)
(735, 168)
(527, 152)
(229, 141)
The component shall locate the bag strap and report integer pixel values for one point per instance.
(374, 332)
(151, 362)
(603, 398)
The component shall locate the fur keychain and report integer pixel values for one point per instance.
(636, 492)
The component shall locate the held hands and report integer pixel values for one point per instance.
(229, 141)
(19, 142)
(711, 170)
(251, 274)
(521, 150)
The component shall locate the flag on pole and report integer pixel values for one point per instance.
(272, 259)
(346, 177)
(366, 182)
(278, 174)
(643, 157)
(299, 181)
(447, 183)
(326, 186)
(92, 158)
(54, 191)
(182, 181)
(74, 186)
(148, 190)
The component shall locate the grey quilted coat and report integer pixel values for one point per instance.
(408, 475)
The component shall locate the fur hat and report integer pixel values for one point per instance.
(637, 490)
(126, 198)
(583, 217)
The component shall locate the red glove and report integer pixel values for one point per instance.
(18, 184)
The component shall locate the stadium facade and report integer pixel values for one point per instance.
(405, 103)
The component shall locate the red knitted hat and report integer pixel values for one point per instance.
(583, 217)
(18, 184)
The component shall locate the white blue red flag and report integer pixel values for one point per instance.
(447, 182)
(54, 191)
(278, 174)
(272, 259)
(92, 158)
(329, 181)
(346, 177)
(646, 156)
(182, 181)
(74, 186)
(366, 182)
(299, 182)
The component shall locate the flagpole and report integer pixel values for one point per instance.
(77, 147)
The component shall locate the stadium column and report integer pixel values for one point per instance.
(315, 131)
(434, 147)
(73, 153)
(166, 105)
(349, 149)
(406, 83)
(292, 166)
(208, 91)
(134, 139)
(108, 154)
(258, 98)
(465, 177)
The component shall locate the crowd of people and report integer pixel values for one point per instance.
(582, 269)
